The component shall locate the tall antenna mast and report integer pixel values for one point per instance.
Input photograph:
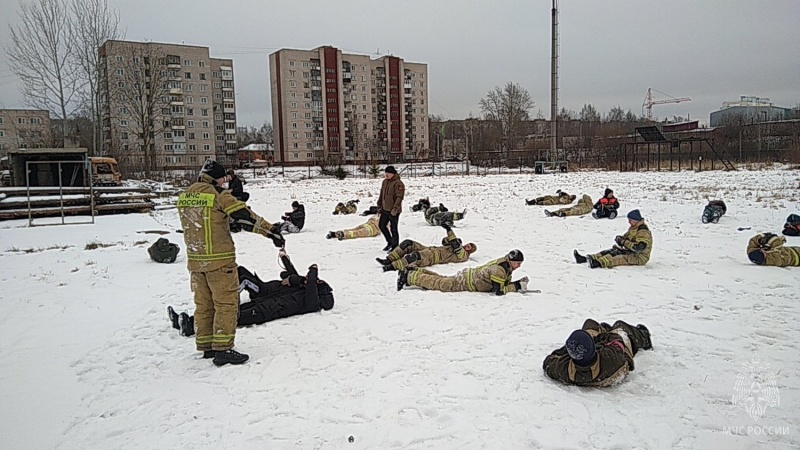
(554, 85)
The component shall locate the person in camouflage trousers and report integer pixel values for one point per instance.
(767, 249)
(344, 209)
(597, 355)
(494, 277)
(205, 211)
(365, 230)
(561, 198)
(583, 207)
(412, 253)
(631, 249)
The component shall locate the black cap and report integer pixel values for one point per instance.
(295, 204)
(391, 169)
(214, 169)
(516, 256)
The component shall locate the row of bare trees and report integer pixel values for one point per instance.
(53, 51)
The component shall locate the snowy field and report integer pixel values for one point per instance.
(90, 360)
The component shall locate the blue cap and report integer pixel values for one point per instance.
(635, 215)
(580, 347)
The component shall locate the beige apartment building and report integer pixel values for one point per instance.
(333, 106)
(24, 128)
(186, 95)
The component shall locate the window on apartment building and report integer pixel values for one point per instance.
(167, 135)
(219, 116)
(206, 147)
(190, 100)
(295, 135)
(217, 85)
(291, 63)
(201, 63)
(292, 73)
(220, 138)
(228, 105)
(305, 75)
(118, 58)
(422, 136)
(122, 110)
(187, 75)
(363, 107)
(36, 121)
(296, 155)
(308, 135)
(422, 101)
(205, 124)
(190, 123)
(218, 95)
(307, 115)
(306, 105)
(189, 111)
(294, 115)
(203, 88)
(308, 125)
(189, 87)
(215, 74)
(206, 136)
(1, 120)
(294, 145)
(293, 104)
(192, 148)
(168, 148)
(204, 112)
(294, 124)
(121, 72)
(121, 84)
(187, 62)
(292, 84)
(203, 99)
(203, 76)
(191, 136)
(219, 128)
(124, 135)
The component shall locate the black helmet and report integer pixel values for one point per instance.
(163, 251)
(214, 169)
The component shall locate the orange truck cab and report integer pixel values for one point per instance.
(105, 172)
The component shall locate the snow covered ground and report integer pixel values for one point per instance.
(90, 360)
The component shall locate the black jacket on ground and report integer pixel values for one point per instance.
(298, 218)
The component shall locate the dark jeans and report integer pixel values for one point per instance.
(391, 235)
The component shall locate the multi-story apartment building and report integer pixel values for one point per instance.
(332, 106)
(24, 128)
(174, 100)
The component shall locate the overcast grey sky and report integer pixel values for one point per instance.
(611, 51)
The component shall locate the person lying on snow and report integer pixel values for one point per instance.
(767, 249)
(349, 208)
(606, 206)
(437, 215)
(294, 220)
(631, 249)
(365, 230)
(792, 225)
(583, 207)
(561, 198)
(413, 254)
(713, 211)
(597, 355)
(291, 295)
(494, 277)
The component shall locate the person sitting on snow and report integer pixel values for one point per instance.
(349, 208)
(792, 225)
(597, 355)
(631, 249)
(561, 198)
(713, 211)
(413, 254)
(583, 207)
(494, 277)
(606, 206)
(767, 249)
(291, 295)
(294, 220)
(365, 230)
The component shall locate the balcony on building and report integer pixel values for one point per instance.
(176, 114)
(407, 95)
(176, 91)
(179, 139)
(230, 141)
(347, 77)
(173, 65)
(229, 110)
(407, 84)
(179, 150)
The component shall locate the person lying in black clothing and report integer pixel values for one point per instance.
(269, 300)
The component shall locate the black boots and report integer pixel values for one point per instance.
(383, 261)
(548, 213)
(173, 317)
(340, 235)
(580, 259)
(593, 263)
(228, 357)
(186, 324)
(402, 279)
(330, 235)
(209, 354)
(648, 344)
(388, 248)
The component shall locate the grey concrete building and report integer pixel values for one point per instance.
(748, 109)
(187, 95)
(24, 128)
(332, 106)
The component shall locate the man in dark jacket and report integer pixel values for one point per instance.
(390, 202)
(598, 355)
(236, 186)
(713, 211)
(294, 220)
(607, 206)
(792, 225)
(270, 300)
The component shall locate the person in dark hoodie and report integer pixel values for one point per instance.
(294, 220)
(792, 225)
(291, 295)
(236, 186)
(607, 206)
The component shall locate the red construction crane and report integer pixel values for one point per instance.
(649, 102)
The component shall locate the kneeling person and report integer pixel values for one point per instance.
(597, 355)
(494, 276)
(412, 253)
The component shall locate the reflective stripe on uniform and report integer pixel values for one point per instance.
(234, 207)
(217, 257)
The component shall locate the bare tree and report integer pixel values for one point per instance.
(508, 106)
(140, 92)
(91, 24)
(41, 54)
